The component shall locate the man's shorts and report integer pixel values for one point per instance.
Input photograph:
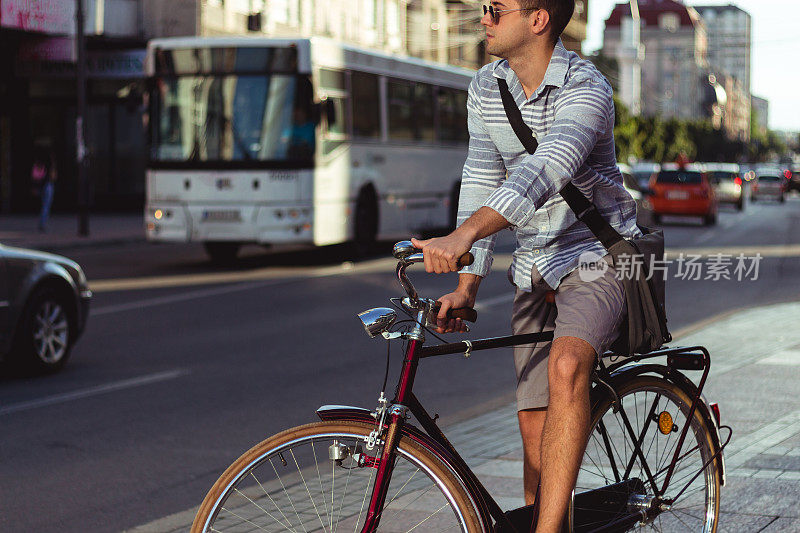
(592, 310)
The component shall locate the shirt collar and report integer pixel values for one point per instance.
(554, 76)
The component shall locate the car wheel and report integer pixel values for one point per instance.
(753, 198)
(782, 198)
(710, 220)
(740, 204)
(656, 219)
(222, 253)
(44, 338)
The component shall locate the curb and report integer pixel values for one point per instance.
(61, 247)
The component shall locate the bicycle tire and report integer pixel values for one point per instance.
(299, 498)
(697, 509)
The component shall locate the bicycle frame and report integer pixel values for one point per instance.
(405, 402)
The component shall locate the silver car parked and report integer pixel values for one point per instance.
(44, 303)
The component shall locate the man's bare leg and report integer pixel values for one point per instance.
(565, 428)
(531, 422)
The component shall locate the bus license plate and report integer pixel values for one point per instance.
(224, 215)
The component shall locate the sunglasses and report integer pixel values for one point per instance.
(495, 13)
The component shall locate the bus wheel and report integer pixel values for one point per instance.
(222, 253)
(455, 194)
(366, 221)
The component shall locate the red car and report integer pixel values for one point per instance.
(683, 191)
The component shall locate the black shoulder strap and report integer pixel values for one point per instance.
(580, 205)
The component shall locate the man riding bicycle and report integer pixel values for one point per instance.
(568, 105)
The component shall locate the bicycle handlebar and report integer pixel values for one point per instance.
(407, 254)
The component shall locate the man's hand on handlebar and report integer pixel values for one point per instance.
(442, 253)
(454, 300)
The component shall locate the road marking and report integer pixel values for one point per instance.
(151, 302)
(259, 274)
(785, 357)
(94, 391)
(779, 250)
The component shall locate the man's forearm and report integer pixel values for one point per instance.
(483, 222)
(468, 285)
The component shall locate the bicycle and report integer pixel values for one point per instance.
(373, 470)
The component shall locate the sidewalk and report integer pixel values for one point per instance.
(754, 374)
(62, 233)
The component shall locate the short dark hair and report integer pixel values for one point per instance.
(560, 12)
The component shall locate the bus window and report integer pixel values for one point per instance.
(423, 124)
(335, 116)
(400, 108)
(452, 115)
(366, 105)
(331, 79)
(410, 111)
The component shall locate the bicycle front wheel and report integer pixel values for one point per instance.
(610, 460)
(319, 477)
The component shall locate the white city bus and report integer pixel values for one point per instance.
(299, 141)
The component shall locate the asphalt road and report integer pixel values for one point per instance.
(183, 365)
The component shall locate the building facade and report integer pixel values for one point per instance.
(675, 65)
(729, 32)
(760, 110)
(38, 66)
(736, 112)
(38, 100)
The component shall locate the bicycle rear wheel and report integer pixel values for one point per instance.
(610, 460)
(289, 482)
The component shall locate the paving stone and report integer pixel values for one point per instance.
(768, 497)
(742, 523)
(774, 462)
(500, 468)
(783, 524)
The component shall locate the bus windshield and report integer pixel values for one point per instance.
(219, 118)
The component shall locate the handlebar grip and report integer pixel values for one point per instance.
(466, 260)
(464, 313)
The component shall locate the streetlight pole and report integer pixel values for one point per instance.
(80, 129)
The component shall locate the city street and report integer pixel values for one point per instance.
(185, 365)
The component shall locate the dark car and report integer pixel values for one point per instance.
(44, 303)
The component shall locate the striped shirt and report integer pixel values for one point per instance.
(572, 116)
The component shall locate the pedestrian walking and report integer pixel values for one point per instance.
(43, 176)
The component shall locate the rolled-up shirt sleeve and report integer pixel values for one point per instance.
(484, 170)
(583, 112)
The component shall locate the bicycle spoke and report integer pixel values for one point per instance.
(344, 496)
(319, 478)
(428, 518)
(291, 451)
(288, 497)
(242, 518)
(245, 496)
(270, 499)
(366, 492)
